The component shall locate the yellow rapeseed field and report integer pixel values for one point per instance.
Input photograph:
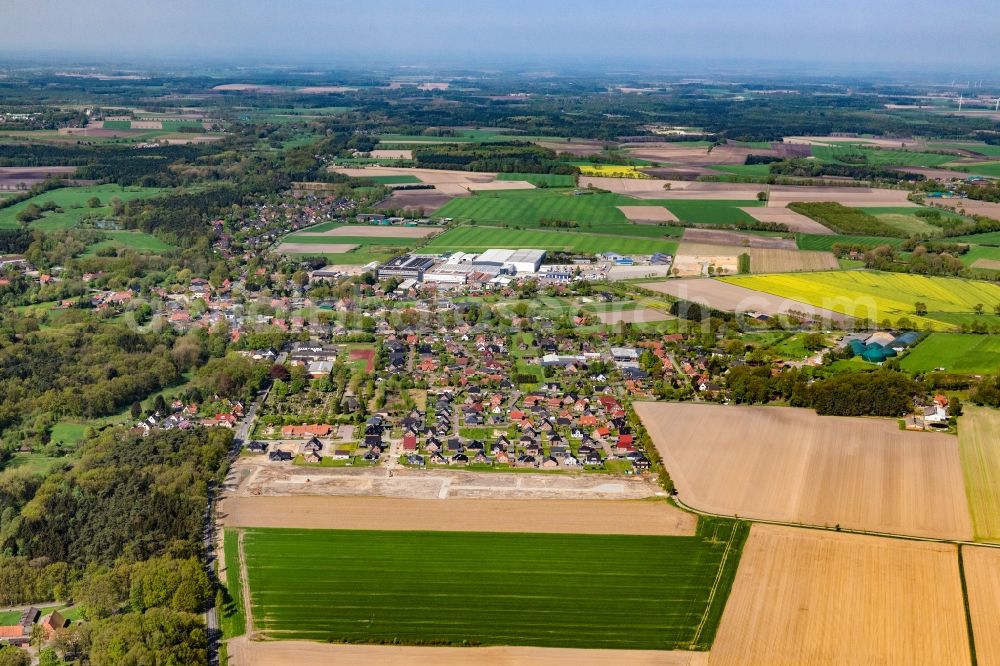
(612, 171)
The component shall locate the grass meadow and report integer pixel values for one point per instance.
(462, 588)
(132, 240)
(73, 201)
(955, 352)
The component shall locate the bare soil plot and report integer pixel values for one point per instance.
(647, 214)
(982, 580)
(650, 517)
(244, 87)
(636, 316)
(937, 174)
(632, 186)
(426, 200)
(392, 154)
(315, 248)
(575, 147)
(258, 476)
(719, 295)
(790, 261)
(794, 221)
(693, 259)
(809, 597)
(787, 464)
(322, 90)
(990, 264)
(11, 177)
(971, 207)
(429, 176)
(500, 185)
(979, 449)
(381, 232)
(245, 652)
(782, 195)
(736, 239)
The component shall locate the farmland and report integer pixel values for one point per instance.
(982, 577)
(788, 464)
(73, 201)
(326, 585)
(979, 449)
(590, 210)
(476, 238)
(540, 179)
(880, 296)
(131, 240)
(825, 242)
(336, 243)
(955, 352)
(611, 171)
(814, 598)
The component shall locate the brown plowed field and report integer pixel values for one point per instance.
(306, 653)
(428, 200)
(794, 221)
(691, 257)
(315, 248)
(816, 598)
(647, 214)
(553, 516)
(733, 238)
(788, 464)
(731, 298)
(982, 580)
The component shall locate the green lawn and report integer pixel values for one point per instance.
(68, 433)
(477, 239)
(132, 240)
(559, 590)
(73, 202)
(231, 616)
(955, 352)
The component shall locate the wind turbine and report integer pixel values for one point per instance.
(997, 107)
(960, 100)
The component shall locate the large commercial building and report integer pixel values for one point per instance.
(519, 261)
(406, 266)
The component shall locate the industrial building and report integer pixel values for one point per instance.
(406, 266)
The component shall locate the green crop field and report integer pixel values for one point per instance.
(977, 252)
(981, 148)
(548, 590)
(992, 238)
(477, 239)
(527, 208)
(353, 240)
(991, 169)
(73, 202)
(825, 243)
(231, 616)
(879, 296)
(955, 352)
(979, 451)
(543, 179)
(132, 240)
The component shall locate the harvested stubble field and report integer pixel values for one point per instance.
(364, 586)
(982, 580)
(310, 653)
(809, 597)
(788, 464)
(728, 297)
(636, 517)
(315, 248)
(879, 296)
(794, 221)
(979, 449)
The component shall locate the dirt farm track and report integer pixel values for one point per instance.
(790, 465)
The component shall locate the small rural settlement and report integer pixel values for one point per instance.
(326, 337)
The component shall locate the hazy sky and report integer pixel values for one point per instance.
(912, 34)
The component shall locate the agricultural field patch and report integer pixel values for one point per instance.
(955, 352)
(813, 598)
(825, 242)
(611, 171)
(130, 240)
(73, 201)
(788, 464)
(979, 449)
(647, 214)
(879, 296)
(540, 179)
(981, 567)
(794, 221)
(477, 239)
(308, 584)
